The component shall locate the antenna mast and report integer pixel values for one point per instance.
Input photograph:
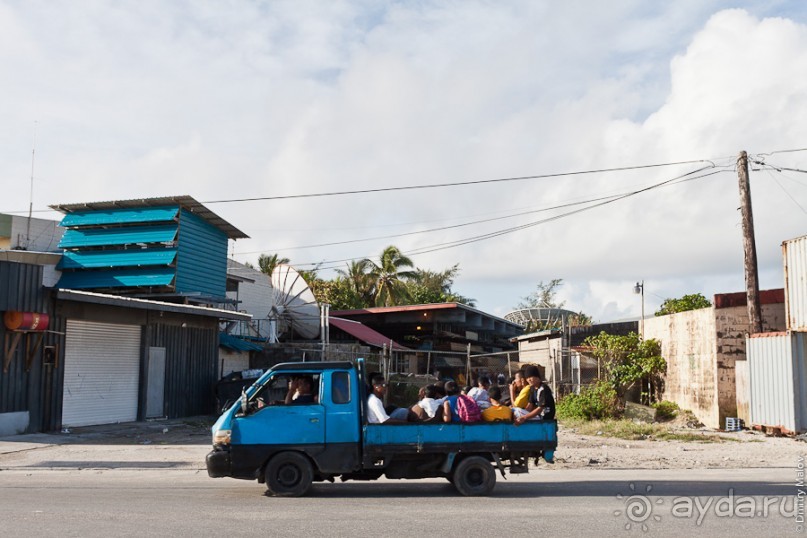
(31, 197)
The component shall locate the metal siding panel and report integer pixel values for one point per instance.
(130, 235)
(32, 391)
(202, 257)
(156, 276)
(120, 216)
(795, 267)
(101, 373)
(121, 258)
(191, 367)
(799, 349)
(771, 379)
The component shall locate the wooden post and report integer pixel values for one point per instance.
(468, 366)
(749, 246)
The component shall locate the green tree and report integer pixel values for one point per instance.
(268, 263)
(435, 287)
(627, 360)
(687, 302)
(358, 283)
(390, 276)
(543, 296)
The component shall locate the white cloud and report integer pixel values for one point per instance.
(245, 99)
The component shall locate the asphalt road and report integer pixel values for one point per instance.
(181, 502)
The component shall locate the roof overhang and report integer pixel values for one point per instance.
(186, 202)
(147, 304)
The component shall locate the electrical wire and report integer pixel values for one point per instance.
(786, 191)
(458, 183)
(325, 265)
(438, 229)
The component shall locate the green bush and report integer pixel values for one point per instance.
(596, 401)
(666, 410)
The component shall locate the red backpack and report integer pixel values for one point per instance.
(467, 409)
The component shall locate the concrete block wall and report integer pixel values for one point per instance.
(688, 344)
(732, 326)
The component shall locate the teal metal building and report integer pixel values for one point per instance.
(172, 247)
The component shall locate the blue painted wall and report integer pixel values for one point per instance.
(201, 258)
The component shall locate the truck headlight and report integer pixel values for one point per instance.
(222, 437)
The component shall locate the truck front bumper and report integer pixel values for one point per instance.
(218, 463)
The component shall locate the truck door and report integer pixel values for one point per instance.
(342, 423)
(279, 426)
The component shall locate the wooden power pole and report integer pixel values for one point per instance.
(749, 246)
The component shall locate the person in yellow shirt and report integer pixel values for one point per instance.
(496, 411)
(522, 399)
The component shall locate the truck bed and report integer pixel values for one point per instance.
(531, 437)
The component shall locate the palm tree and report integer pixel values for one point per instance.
(268, 263)
(390, 275)
(360, 281)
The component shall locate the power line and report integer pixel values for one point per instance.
(458, 183)
(438, 229)
(323, 265)
(442, 228)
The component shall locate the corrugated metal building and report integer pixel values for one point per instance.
(30, 379)
(777, 367)
(794, 253)
(777, 362)
(115, 358)
(162, 247)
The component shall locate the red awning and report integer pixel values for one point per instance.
(365, 334)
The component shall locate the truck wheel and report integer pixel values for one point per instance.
(474, 476)
(289, 474)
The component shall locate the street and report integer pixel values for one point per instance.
(146, 501)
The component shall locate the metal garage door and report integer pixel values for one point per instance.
(101, 373)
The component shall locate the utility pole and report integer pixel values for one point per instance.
(749, 246)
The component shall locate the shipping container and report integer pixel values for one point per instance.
(778, 380)
(794, 253)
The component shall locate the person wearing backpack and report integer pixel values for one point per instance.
(459, 407)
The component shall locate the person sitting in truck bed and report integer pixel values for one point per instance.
(376, 414)
(520, 391)
(480, 392)
(428, 408)
(542, 402)
(450, 403)
(497, 412)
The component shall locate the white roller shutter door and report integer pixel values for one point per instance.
(101, 373)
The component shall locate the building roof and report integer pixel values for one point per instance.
(148, 304)
(420, 308)
(538, 335)
(237, 344)
(184, 201)
(365, 334)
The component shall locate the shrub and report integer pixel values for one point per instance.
(596, 401)
(666, 410)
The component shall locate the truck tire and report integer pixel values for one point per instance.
(289, 474)
(474, 476)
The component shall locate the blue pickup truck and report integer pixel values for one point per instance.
(288, 447)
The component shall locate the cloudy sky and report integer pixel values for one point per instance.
(245, 99)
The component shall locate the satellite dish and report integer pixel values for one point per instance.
(295, 309)
(542, 317)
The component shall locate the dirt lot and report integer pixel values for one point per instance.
(182, 444)
(745, 449)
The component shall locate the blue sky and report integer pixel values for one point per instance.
(239, 99)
